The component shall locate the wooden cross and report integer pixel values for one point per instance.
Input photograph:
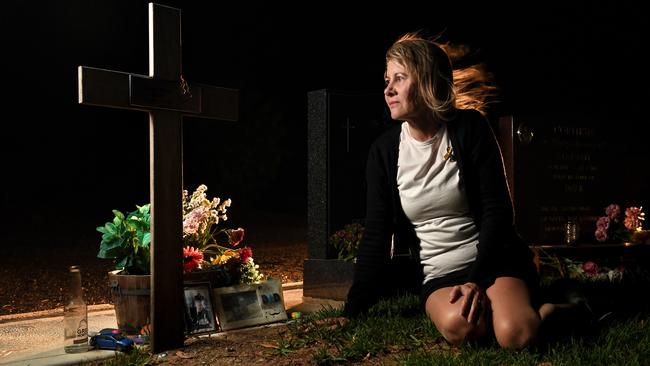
(167, 97)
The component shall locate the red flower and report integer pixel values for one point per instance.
(245, 254)
(192, 258)
(590, 268)
(235, 236)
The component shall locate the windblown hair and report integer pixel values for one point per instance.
(438, 85)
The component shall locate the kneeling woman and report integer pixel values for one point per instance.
(438, 178)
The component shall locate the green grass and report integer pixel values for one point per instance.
(139, 356)
(398, 329)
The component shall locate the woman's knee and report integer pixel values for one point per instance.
(516, 333)
(456, 329)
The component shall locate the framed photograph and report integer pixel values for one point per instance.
(248, 305)
(199, 313)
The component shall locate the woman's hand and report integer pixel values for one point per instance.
(473, 300)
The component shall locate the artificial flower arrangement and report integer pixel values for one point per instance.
(346, 241)
(203, 248)
(611, 228)
(126, 240)
(554, 267)
(616, 226)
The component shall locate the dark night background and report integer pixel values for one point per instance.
(65, 166)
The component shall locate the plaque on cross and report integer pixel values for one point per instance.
(166, 96)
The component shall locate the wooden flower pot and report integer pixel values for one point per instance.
(132, 299)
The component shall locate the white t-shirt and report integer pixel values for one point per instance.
(435, 203)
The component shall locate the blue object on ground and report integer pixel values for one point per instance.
(112, 339)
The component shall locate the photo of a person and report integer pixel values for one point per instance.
(199, 315)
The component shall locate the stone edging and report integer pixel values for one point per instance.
(49, 313)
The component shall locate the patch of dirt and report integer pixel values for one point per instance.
(252, 346)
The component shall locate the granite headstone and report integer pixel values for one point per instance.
(341, 127)
(559, 168)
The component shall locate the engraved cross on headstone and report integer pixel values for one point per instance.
(347, 127)
(166, 96)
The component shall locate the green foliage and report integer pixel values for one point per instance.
(283, 349)
(346, 241)
(137, 357)
(323, 357)
(126, 240)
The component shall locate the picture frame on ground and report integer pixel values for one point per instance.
(248, 305)
(199, 310)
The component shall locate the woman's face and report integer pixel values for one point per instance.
(400, 87)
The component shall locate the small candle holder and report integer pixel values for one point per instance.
(571, 231)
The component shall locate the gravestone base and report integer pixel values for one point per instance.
(327, 278)
(332, 278)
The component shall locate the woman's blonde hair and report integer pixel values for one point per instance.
(438, 85)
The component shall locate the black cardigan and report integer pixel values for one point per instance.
(481, 172)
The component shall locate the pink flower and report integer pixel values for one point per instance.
(192, 258)
(193, 220)
(235, 236)
(612, 228)
(603, 223)
(612, 211)
(590, 268)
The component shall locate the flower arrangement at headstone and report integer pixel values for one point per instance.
(210, 253)
(210, 247)
(346, 241)
(608, 283)
(553, 267)
(206, 245)
(616, 227)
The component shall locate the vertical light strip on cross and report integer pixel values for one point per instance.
(167, 97)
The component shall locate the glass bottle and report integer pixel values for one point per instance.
(75, 316)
